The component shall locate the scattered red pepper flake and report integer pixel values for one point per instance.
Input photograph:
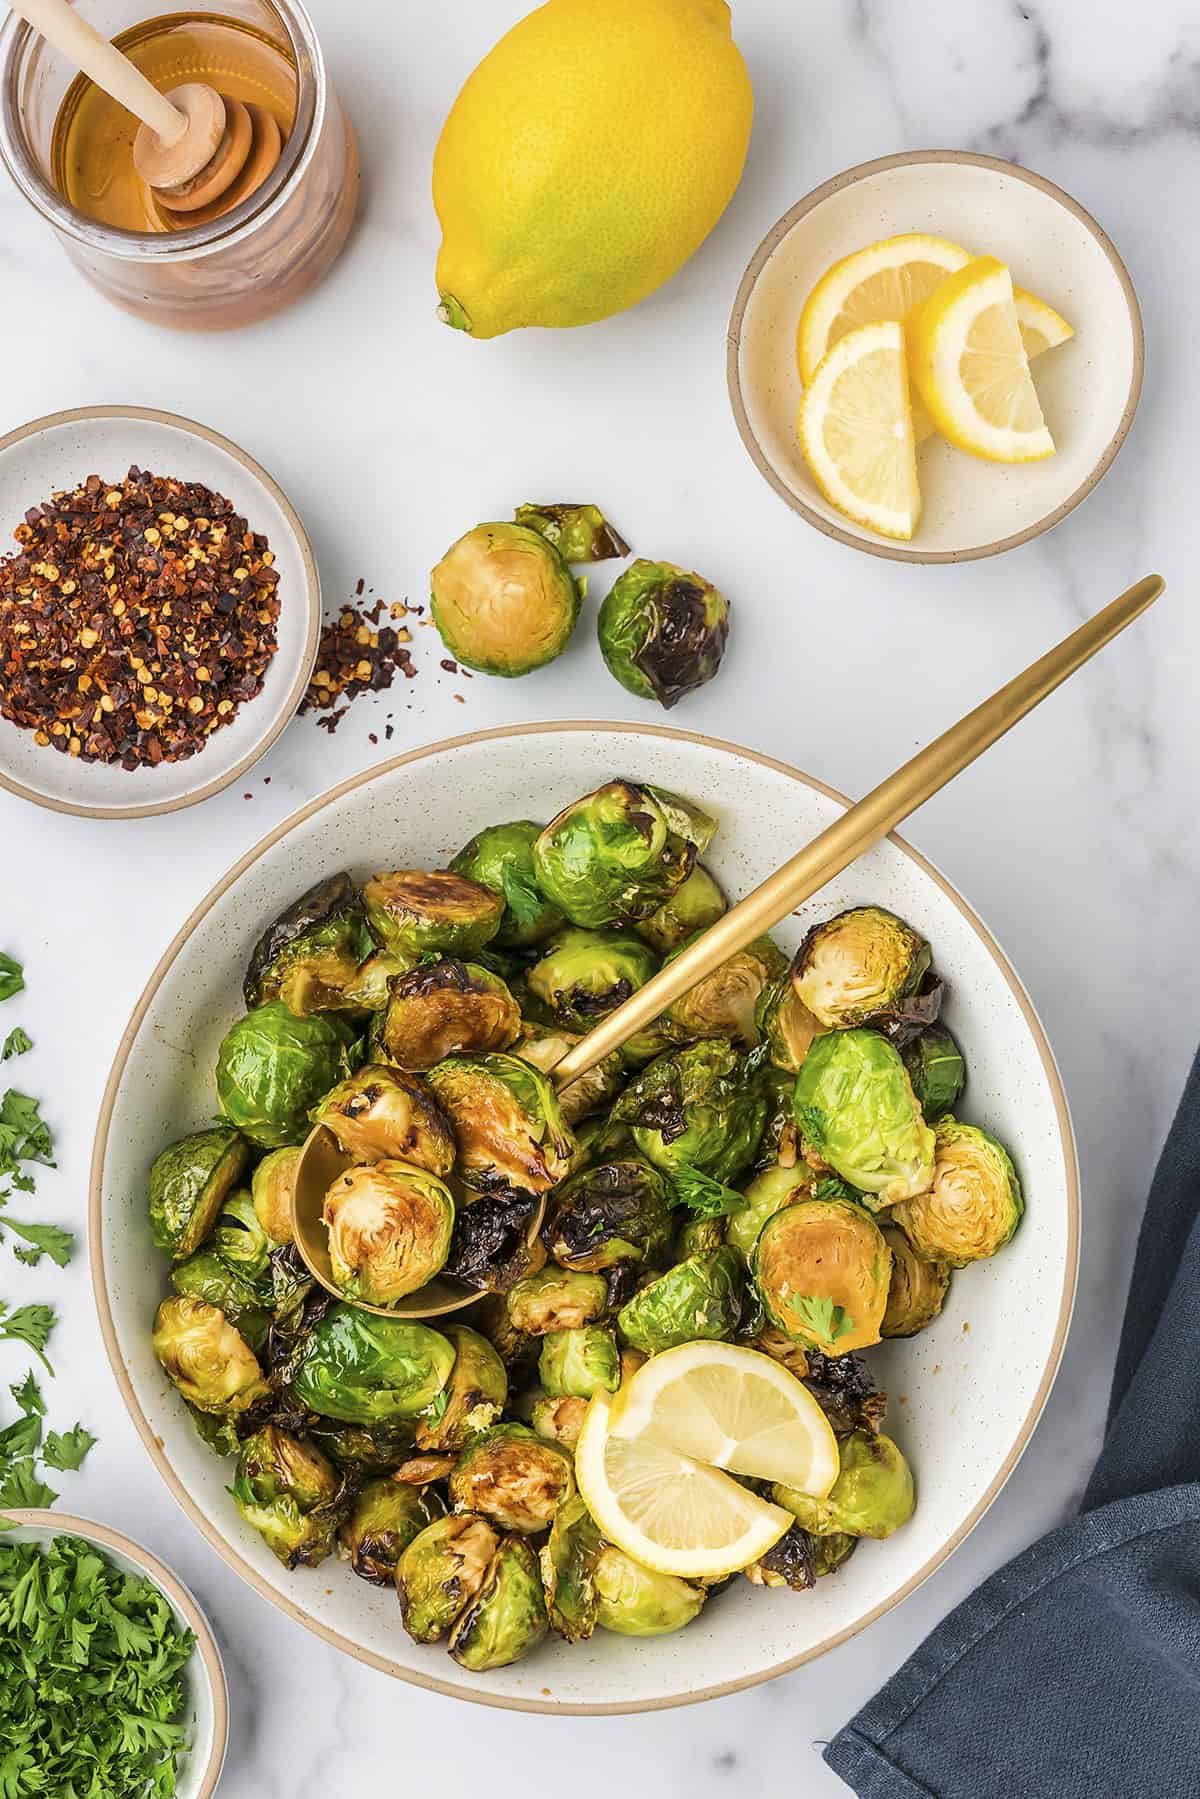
(357, 654)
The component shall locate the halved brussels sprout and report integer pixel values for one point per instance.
(507, 1616)
(692, 907)
(582, 976)
(389, 1228)
(701, 1297)
(561, 1420)
(473, 1398)
(616, 854)
(863, 967)
(205, 1356)
(556, 1299)
(974, 1203)
(506, 1120)
(723, 1003)
(444, 1008)
(311, 953)
(645, 1045)
(205, 1276)
(242, 1243)
(441, 1571)
(702, 1107)
(578, 533)
(363, 1449)
(575, 1364)
(844, 1388)
(504, 600)
(365, 1369)
(272, 1186)
(822, 1269)
(635, 1601)
(765, 1195)
(872, 1496)
(662, 631)
(569, 1558)
(598, 1087)
(936, 1069)
(513, 1477)
(415, 912)
(189, 1182)
(491, 1248)
(918, 1288)
(500, 858)
(830, 1552)
(855, 1105)
(785, 1023)
(386, 1516)
(612, 1212)
(290, 1494)
(788, 1563)
(384, 1112)
(698, 1236)
(273, 1067)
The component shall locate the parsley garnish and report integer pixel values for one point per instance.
(66, 1449)
(32, 1325)
(12, 979)
(703, 1196)
(17, 1043)
(525, 904)
(823, 1318)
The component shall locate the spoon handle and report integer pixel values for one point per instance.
(82, 45)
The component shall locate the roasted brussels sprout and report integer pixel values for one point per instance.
(189, 1183)
(473, 1398)
(616, 854)
(855, 1105)
(601, 1084)
(578, 533)
(692, 907)
(863, 967)
(765, 1195)
(575, 1364)
(822, 1268)
(784, 1023)
(702, 1107)
(426, 1469)
(845, 1390)
(699, 1236)
(290, 1493)
(723, 1003)
(242, 1243)
(500, 858)
(781, 1348)
(490, 1247)
(365, 1369)
(363, 1449)
(779, 1145)
(872, 1496)
(561, 1420)
(517, 1349)
(701, 1297)
(309, 957)
(205, 1356)
(389, 1228)
(271, 1189)
(273, 1067)
(506, 1120)
(582, 976)
(569, 1558)
(217, 1433)
(441, 1571)
(556, 1299)
(512, 1477)
(788, 1563)
(445, 1008)
(613, 1212)
(386, 1113)
(974, 1203)
(415, 912)
(205, 1276)
(504, 600)
(936, 1069)
(831, 1552)
(662, 631)
(386, 1516)
(918, 1288)
(507, 1616)
(638, 1602)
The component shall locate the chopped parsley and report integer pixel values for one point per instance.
(12, 979)
(17, 1043)
(823, 1318)
(703, 1196)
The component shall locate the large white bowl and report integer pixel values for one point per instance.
(970, 1398)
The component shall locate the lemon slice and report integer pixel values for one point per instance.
(734, 1408)
(856, 430)
(883, 281)
(1041, 327)
(666, 1510)
(971, 369)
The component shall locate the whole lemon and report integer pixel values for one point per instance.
(586, 158)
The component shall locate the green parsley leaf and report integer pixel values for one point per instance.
(28, 1394)
(44, 1239)
(703, 1196)
(15, 1044)
(65, 1450)
(12, 979)
(23, 1129)
(29, 1324)
(811, 1121)
(521, 897)
(830, 1187)
(22, 1486)
(20, 1438)
(823, 1318)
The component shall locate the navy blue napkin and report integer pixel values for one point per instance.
(1074, 1673)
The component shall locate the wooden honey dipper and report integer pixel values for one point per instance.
(192, 145)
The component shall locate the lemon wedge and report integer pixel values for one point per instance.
(856, 430)
(1041, 327)
(971, 368)
(883, 281)
(666, 1510)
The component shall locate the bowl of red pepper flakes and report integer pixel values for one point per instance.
(160, 611)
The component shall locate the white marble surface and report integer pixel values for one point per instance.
(1076, 838)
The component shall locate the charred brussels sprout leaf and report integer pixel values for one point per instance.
(692, 907)
(205, 1276)
(845, 1390)
(974, 1203)
(490, 1247)
(789, 1563)
(500, 858)
(389, 1227)
(585, 975)
(506, 1120)
(291, 1495)
(617, 854)
(189, 1183)
(765, 1195)
(445, 1008)
(580, 1098)
(440, 1572)
(272, 1068)
(507, 1617)
(863, 967)
(723, 1003)
(575, 1364)
(556, 1299)
(414, 913)
(385, 1518)
(614, 1212)
(871, 1497)
(310, 954)
(578, 533)
(205, 1356)
(569, 1559)
(936, 1069)
(784, 1023)
(855, 1105)
(216, 1433)
(364, 1369)
(383, 1113)
(822, 1270)
(504, 600)
(700, 1236)
(271, 1189)
(918, 1289)
(473, 1398)
(512, 1477)
(699, 1108)
(700, 1297)
(662, 631)
(636, 1601)
(242, 1243)
(362, 1449)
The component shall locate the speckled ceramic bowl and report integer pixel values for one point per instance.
(965, 1399)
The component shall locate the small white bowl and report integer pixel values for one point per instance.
(58, 452)
(1089, 387)
(206, 1696)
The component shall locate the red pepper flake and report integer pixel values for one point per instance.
(357, 654)
(450, 667)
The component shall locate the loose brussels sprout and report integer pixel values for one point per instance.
(472, 1399)
(765, 1195)
(296, 1301)
(646, 1044)
(272, 1186)
(309, 957)
(444, 1008)
(872, 1496)
(216, 1433)
(290, 1493)
(856, 1106)
(189, 1182)
(389, 1228)
(506, 1120)
(561, 1420)
(597, 1087)
(500, 858)
(785, 1023)
(974, 1204)
(513, 1477)
(616, 854)
(584, 975)
(490, 1247)
(242, 1243)
(427, 1469)
(385, 1113)
(779, 1145)
(507, 1617)
(205, 1276)
(441, 1571)
(822, 1269)
(575, 1364)
(578, 533)
(936, 1069)
(207, 1359)
(699, 1237)
(830, 1552)
(365, 1369)
(662, 631)
(638, 1602)
(788, 1563)
(723, 1003)
(613, 1212)
(701, 1297)
(692, 907)
(702, 1107)
(384, 1519)
(504, 600)
(862, 967)
(845, 1390)
(363, 1448)
(556, 1299)
(918, 1288)
(273, 1067)
(569, 1558)
(414, 912)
